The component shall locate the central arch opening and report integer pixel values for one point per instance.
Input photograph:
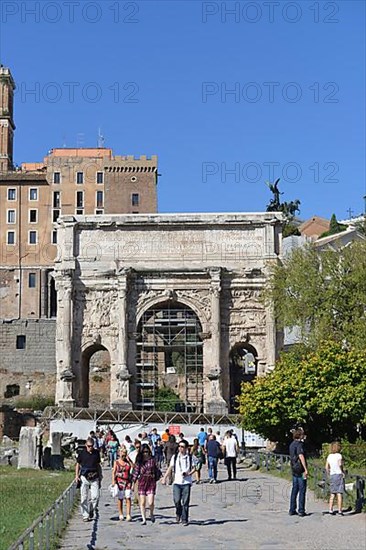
(169, 359)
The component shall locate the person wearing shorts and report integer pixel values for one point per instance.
(122, 476)
(146, 473)
(334, 468)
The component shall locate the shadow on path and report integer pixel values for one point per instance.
(93, 535)
(205, 522)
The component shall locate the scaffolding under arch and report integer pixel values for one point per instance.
(169, 359)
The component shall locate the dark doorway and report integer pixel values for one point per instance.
(243, 368)
(95, 377)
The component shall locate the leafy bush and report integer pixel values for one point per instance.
(166, 400)
(34, 403)
(324, 390)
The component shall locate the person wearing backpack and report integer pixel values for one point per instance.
(181, 465)
(299, 474)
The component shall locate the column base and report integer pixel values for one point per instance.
(67, 403)
(217, 406)
(121, 405)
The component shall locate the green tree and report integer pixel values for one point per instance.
(325, 390)
(324, 294)
(166, 400)
(334, 227)
(361, 226)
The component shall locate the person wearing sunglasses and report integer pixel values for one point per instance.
(181, 465)
(88, 472)
(146, 473)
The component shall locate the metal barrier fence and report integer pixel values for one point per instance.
(319, 479)
(44, 530)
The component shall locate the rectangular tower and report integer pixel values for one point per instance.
(7, 126)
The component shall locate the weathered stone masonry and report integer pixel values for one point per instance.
(114, 268)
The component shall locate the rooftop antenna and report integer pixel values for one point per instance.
(64, 141)
(100, 138)
(80, 139)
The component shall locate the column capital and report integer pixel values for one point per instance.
(215, 286)
(215, 273)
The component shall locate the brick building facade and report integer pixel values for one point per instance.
(80, 181)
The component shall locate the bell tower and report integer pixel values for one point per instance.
(7, 126)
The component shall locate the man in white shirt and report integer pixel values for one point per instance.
(181, 465)
(231, 450)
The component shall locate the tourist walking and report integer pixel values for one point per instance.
(146, 473)
(170, 450)
(88, 472)
(165, 436)
(181, 466)
(202, 437)
(128, 444)
(155, 439)
(231, 450)
(122, 476)
(214, 453)
(198, 459)
(299, 474)
(134, 450)
(334, 468)
(112, 448)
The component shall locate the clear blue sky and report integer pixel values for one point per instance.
(154, 75)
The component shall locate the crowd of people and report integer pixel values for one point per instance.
(136, 467)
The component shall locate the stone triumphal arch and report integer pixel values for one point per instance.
(174, 299)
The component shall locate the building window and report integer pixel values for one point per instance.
(32, 280)
(133, 178)
(10, 238)
(55, 215)
(79, 199)
(12, 194)
(135, 200)
(99, 199)
(54, 236)
(32, 237)
(32, 216)
(56, 199)
(11, 216)
(100, 177)
(79, 177)
(33, 194)
(57, 177)
(12, 390)
(21, 341)
(98, 212)
(79, 211)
